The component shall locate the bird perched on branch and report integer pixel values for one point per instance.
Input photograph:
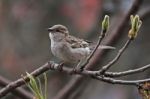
(68, 48)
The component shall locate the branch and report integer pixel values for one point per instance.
(92, 53)
(106, 67)
(101, 78)
(13, 85)
(105, 26)
(20, 92)
(122, 82)
(128, 72)
(53, 66)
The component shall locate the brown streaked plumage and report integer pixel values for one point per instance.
(66, 47)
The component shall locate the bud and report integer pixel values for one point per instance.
(105, 24)
(135, 26)
(144, 90)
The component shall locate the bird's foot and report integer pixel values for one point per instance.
(60, 66)
(73, 71)
(76, 70)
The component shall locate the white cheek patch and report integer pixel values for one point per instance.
(50, 35)
(51, 38)
(106, 47)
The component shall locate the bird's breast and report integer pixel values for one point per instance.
(64, 52)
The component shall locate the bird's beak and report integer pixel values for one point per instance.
(50, 29)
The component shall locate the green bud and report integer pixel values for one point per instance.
(135, 23)
(135, 26)
(131, 18)
(105, 24)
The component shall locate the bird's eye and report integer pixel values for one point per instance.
(57, 30)
(60, 30)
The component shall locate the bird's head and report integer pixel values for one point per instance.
(58, 32)
(58, 29)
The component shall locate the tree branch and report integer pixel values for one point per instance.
(20, 92)
(122, 82)
(128, 72)
(92, 53)
(53, 66)
(13, 85)
(106, 67)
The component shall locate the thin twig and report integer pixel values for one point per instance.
(106, 67)
(92, 53)
(128, 72)
(122, 82)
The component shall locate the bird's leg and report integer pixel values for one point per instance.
(76, 68)
(79, 67)
(82, 66)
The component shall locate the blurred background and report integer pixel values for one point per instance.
(25, 45)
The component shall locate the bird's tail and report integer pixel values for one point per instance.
(103, 47)
(106, 47)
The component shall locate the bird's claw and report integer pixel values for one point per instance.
(76, 70)
(60, 66)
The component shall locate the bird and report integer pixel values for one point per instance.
(68, 48)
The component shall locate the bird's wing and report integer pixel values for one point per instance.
(76, 42)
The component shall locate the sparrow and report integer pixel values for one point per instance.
(68, 48)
